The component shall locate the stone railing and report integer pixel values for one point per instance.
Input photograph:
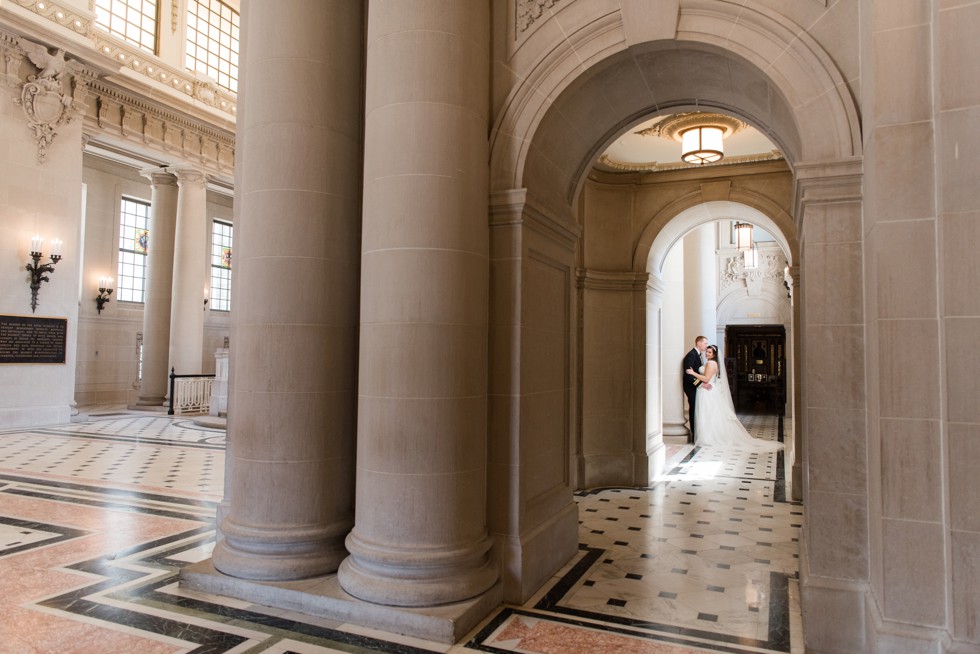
(189, 393)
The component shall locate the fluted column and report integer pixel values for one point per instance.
(190, 260)
(291, 424)
(420, 536)
(159, 287)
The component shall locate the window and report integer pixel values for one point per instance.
(134, 236)
(134, 21)
(212, 41)
(220, 266)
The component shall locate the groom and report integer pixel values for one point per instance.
(693, 359)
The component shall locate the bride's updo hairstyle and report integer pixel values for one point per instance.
(714, 351)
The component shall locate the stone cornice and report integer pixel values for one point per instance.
(129, 121)
(513, 207)
(605, 280)
(180, 81)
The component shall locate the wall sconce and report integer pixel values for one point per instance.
(205, 299)
(105, 290)
(38, 269)
(743, 236)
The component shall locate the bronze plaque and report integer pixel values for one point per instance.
(29, 339)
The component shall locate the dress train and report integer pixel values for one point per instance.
(717, 424)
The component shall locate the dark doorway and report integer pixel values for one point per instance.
(755, 359)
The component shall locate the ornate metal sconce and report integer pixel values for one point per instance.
(38, 269)
(105, 290)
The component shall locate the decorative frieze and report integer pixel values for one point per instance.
(59, 13)
(205, 91)
(113, 110)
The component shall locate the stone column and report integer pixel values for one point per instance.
(159, 288)
(700, 284)
(674, 347)
(190, 259)
(421, 533)
(794, 355)
(654, 387)
(291, 418)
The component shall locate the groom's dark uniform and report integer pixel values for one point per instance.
(691, 360)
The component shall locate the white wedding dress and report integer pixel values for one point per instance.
(718, 426)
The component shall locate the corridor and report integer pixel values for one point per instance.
(98, 516)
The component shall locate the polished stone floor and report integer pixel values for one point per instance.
(98, 516)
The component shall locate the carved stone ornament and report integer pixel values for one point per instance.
(45, 103)
(529, 11)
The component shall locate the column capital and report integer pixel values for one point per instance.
(656, 286)
(188, 175)
(159, 175)
(515, 207)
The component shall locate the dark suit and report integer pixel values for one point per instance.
(691, 360)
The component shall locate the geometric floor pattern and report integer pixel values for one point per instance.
(98, 517)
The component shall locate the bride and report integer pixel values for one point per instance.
(715, 412)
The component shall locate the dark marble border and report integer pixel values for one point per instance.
(478, 643)
(779, 631)
(61, 534)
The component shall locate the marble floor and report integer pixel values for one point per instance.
(98, 516)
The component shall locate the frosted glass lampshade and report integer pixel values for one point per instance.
(702, 145)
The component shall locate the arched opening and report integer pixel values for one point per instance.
(547, 285)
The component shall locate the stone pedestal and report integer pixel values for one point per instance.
(219, 389)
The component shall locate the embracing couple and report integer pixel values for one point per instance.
(711, 410)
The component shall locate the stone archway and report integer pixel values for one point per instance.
(587, 82)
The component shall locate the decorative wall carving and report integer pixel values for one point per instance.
(44, 96)
(528, 11)
(733, 272)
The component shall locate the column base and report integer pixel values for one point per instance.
(151, 404)
(278, 555)
(416, 578)
(323, 597)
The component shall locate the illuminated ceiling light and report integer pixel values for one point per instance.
(701, 134)
(702, 145)
(743, 236)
